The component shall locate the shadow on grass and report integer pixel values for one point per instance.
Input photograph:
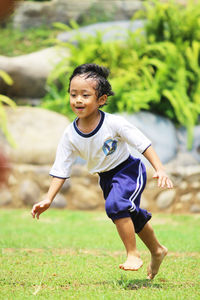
(136, 284)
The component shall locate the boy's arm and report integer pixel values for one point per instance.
(163, 179)
(55, 186)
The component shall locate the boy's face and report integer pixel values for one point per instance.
(83, 99)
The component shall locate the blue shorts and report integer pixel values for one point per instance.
(122, 188)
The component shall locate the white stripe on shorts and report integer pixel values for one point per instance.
(139, 186)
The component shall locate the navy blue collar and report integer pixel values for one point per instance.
(86, 135)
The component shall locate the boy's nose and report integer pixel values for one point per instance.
(79, 99)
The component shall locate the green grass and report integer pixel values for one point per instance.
(15, 42)
(75, 255)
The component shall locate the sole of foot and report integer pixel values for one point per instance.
(131, 264)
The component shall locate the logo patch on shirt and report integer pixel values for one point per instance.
(109, 147)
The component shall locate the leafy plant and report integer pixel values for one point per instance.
(15, 42)
(156, 68)
(8, 101)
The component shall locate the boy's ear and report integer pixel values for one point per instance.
(102, 100)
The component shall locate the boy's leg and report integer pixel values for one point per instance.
(158, 251)
(126, 231)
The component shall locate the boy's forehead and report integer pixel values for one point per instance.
(82, 82)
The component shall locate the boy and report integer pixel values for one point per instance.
(101, 139)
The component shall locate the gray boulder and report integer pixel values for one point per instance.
(84, 198)
(165, 198)
(29, 192)
(36, 132)
(111, 30)
(33, 14)
(159, 130)
(29, 72)
(59, 201)
(195, 208)
(5, 197)
(182, 141)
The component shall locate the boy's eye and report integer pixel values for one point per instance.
(86, 95)
(72, 95)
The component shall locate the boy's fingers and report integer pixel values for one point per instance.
(34, 210)
(163, 181)
(159, 181)
(33, 213)
(169, 183)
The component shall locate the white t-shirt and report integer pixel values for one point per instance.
(103, 149)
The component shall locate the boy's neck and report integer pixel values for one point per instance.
(88, 124)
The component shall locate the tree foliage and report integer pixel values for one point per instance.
(156, 68)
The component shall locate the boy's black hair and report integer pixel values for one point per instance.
(99, 73)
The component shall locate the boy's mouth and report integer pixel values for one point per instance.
(79, 107)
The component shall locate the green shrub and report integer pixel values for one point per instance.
(155, 69)
(15, 42)
(8, 101)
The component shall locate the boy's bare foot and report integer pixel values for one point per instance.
(155, 263)
(133, 263)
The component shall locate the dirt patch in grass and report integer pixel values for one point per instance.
(95, 252)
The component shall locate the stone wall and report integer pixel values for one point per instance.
(37, 132)
(28, 184)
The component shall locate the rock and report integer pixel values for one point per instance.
(190, 172)
(79, 171)
(34, 14)
(182, 140)
(186, 198)
(36, 132)
(84, 198)
(59, 201)
(182, 159)
(40, 174)
(165, 198)
(12, 180)
(195, 185)
(66, 186)
(195, 208)
(144, 202)
(183, 185)
(198, 196)
(111, 30)
(29, 192)
(178, 206)
(29, 72)
(5, 197)
(153, 127)
(151, 184)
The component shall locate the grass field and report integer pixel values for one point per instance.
(75, 255)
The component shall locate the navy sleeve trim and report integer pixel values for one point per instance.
(59, 177)
(146, 148)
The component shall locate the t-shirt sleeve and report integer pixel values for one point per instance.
(132, 135)
(64, 160)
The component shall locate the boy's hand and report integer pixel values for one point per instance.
(40, 208)
(163, 179)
